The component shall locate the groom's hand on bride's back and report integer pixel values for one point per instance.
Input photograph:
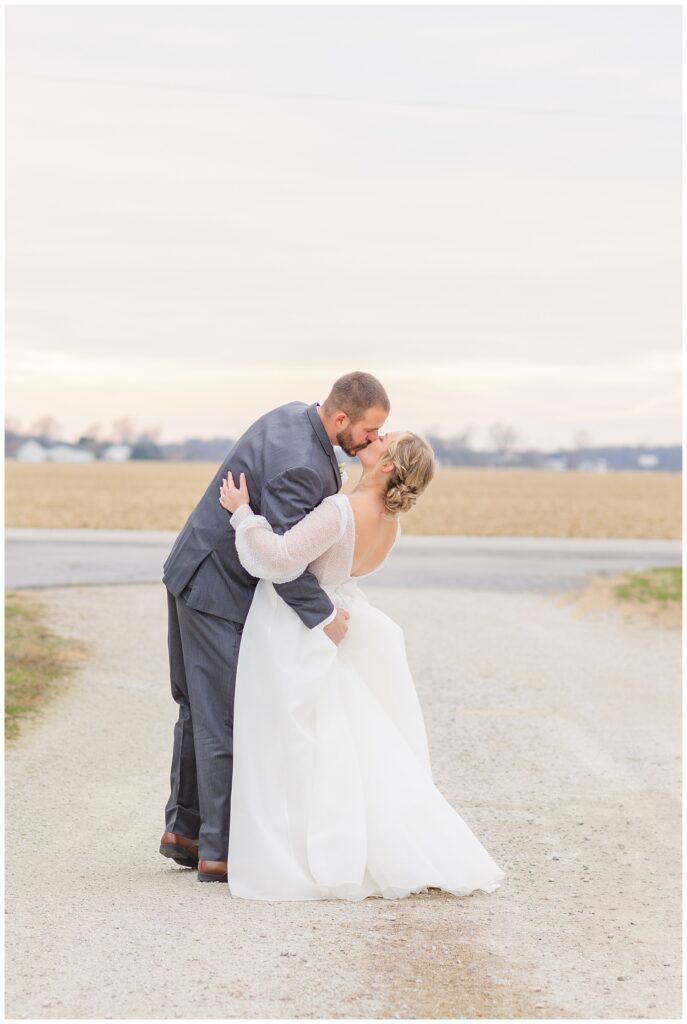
(337, 628)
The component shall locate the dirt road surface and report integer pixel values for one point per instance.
(555, 735)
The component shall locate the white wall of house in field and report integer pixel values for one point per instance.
(68, 453)
(117, 453)
(31, 451)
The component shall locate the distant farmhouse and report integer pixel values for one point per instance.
(34, 451)
(116, 453)
(29, 451)
(592, 466)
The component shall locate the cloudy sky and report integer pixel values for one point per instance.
(213, 210)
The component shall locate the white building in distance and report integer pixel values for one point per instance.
(117, 453)
(31, 451)
(592, 466)
(69, 453)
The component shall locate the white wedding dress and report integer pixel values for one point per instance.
(332, 793)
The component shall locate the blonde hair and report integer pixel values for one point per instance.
(414, 466)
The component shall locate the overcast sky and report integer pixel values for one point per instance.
(214, 210)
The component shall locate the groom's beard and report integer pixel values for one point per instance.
(344, 439)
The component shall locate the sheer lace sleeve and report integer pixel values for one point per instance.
(283, 557)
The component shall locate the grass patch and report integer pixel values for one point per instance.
(661, 585)
(36, 659)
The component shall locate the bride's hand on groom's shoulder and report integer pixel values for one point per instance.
(232, 497)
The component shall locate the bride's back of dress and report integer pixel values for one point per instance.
(335, 564)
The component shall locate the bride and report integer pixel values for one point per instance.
(332, 793)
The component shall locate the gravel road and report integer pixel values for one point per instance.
(556, 736)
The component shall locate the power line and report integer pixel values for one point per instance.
(313, 97)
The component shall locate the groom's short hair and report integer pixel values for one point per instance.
(354, 394)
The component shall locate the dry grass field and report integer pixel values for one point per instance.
(462, 501)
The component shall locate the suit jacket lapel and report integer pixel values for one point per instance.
(324, 440)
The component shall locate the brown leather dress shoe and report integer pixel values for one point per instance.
(180, 849)
(212, 871)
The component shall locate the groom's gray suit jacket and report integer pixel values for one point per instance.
(290, 467)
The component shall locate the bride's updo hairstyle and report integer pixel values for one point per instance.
(413, 461)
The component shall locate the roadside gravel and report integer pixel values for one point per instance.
(555, 735)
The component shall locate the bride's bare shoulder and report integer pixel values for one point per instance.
(366, 511)
(363, 507)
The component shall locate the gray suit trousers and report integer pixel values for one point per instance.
(203, 654)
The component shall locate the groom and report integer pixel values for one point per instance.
(289, 461)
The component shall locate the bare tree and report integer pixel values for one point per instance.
(145, 445)
(581, 439)
(148, 436)
(503, 439)
(46, 428)
(93, 431)
(463, 441)
(124, 430)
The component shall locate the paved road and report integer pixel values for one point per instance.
(53, 558)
